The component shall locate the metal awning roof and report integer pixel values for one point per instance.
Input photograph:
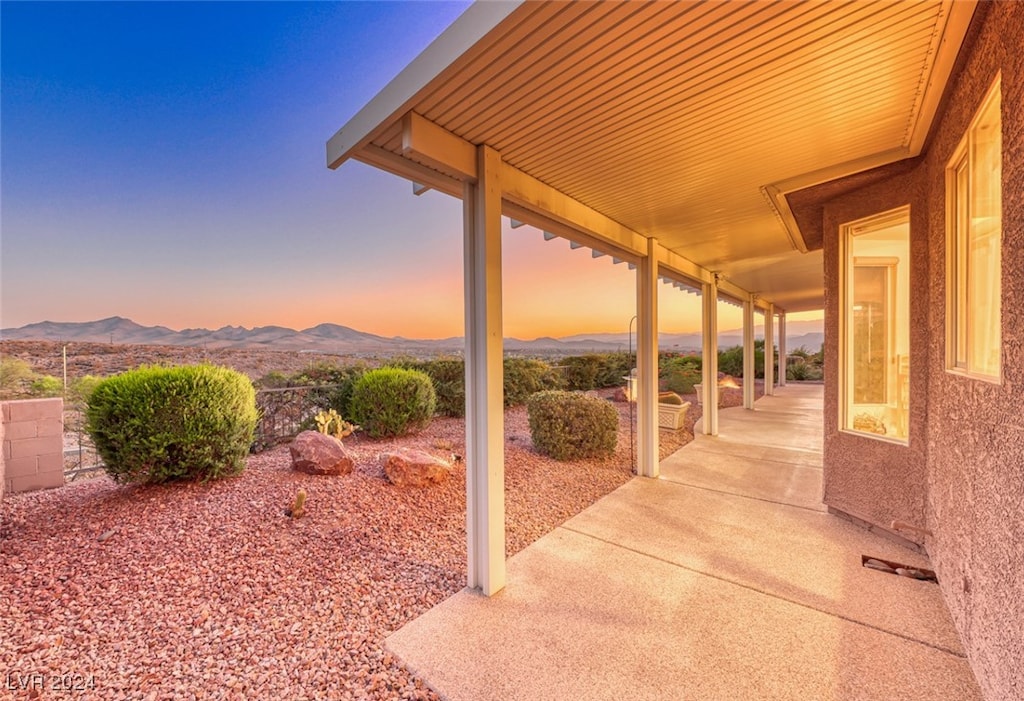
(683, 121)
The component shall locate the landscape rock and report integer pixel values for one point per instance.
(414, 468)
(318, 454)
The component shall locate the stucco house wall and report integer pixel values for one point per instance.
(962, 475)
(878, 481)
(976, 428)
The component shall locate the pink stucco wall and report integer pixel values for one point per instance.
(976, 429)
(878, 481)
(962, 475)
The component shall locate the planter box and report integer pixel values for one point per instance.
(672, 415)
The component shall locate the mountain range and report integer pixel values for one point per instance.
(343, 340)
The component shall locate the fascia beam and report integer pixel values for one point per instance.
(454, 47)
(430, 145)
(945, 47)
(425, 142)
(403, 167)
(677, 264)
(526, 192)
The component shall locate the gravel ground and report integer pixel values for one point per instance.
(208, 591)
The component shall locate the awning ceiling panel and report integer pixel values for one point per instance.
(676, 119)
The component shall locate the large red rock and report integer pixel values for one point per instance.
(415, 468)
(318, 454)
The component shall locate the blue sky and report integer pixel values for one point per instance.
(165, 162)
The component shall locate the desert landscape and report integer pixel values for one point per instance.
(209, 590)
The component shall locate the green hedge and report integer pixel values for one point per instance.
(157, 424)
(571, 425)
(392, 401)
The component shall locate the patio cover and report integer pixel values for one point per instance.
(686, 122)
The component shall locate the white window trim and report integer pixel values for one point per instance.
(952, 245)
(846, 232)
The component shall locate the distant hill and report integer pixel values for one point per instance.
(334, 338)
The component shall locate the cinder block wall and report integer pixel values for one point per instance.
(3, 463)
(33, 444)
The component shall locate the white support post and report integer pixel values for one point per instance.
(647, 362)
(709, 356)
(485, 440)
(783, 352)
(749, 368)
(769, 351)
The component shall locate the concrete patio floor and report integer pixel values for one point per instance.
(724, 579)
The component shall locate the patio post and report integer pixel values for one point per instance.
(769, 351)
(647, 361)
(709, 355)
(783, 355)
(749, 369)
(485, 441)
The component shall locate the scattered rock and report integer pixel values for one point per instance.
(318, 454)
(415, 468)
(878, 565)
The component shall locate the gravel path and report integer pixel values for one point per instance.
(207, 591)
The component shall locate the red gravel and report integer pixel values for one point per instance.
(208, 591)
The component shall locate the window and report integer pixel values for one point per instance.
(974, 227)
(875, 309)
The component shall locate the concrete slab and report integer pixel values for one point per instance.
(795, 484)
(721, 580)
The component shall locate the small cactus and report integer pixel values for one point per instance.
(299, 507)
(330, 423)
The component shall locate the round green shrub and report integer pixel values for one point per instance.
(392, 401)
(570, 425)
(157, 424)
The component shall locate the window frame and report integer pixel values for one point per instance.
(847, 262)
(959, 186)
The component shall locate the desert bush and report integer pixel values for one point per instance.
(157, 424)
(680, 373)
(730, 360)
(15, 377)
(523, 377)
(667, 361)
(80, 389)
(46, 386)
(570, 425)
(392, 401)
(596, 370)
(804, 371)
(448, 376)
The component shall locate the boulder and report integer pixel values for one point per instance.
(318, 454)
(415, 468)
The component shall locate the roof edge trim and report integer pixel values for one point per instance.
(396, 97)
(945, 49)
